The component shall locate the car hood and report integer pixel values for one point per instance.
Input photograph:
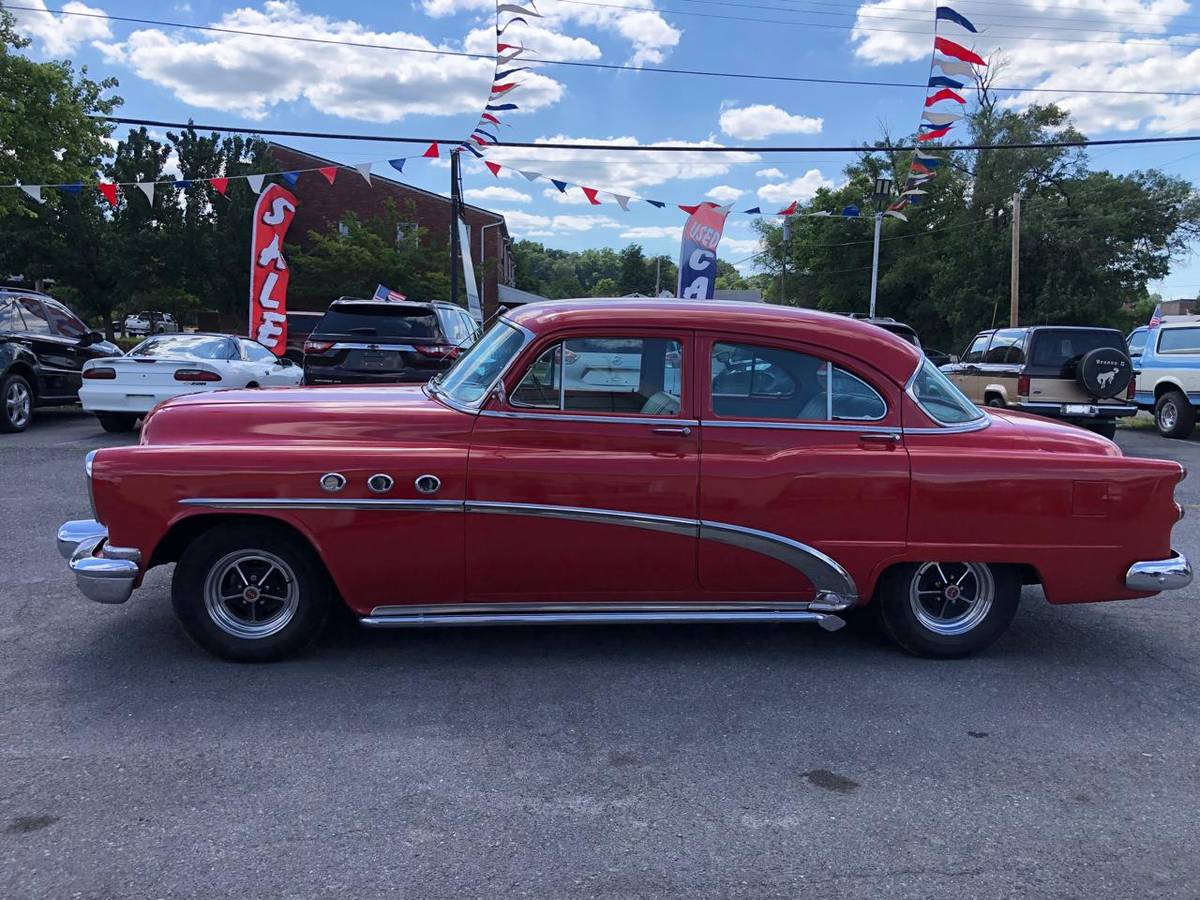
(307, 415)
(1052, 436)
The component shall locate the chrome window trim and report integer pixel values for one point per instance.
(864, 383)
(580, 417)
(562, 380)
(983, 420)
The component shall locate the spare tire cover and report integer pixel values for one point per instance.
(1104, 372)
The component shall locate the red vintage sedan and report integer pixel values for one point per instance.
(626, 461)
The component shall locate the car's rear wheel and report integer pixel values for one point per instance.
(251, 593)
(1174, 415)
(16, 404)
(117, 422)
(947, 609)
(995, 401)
(1104, 429)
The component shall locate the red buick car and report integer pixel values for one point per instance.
(626, 461)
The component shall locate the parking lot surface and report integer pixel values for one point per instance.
(705, 761)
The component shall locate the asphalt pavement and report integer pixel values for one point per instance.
(656, 761)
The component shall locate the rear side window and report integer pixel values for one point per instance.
(974, 353)
(65, 322)
(1060, 347)
(377, 320)
(454, 327)
(1007, 347)
(301, 324)
(1179, 340)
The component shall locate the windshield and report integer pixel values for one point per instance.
(939, 397)
(476, 371)
(199, 346)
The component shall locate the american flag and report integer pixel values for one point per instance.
(1156, 318)
(385, 293)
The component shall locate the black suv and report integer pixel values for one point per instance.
(1080, 375)
(43, 346)
(385, 341)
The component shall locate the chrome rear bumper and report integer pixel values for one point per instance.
(1160, 574)
(103, 573)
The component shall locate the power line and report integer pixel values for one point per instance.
(612, 67)
(647, 148)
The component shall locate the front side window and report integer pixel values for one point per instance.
(974, 353)
(939, 397)
(626, 376)
(1179, 340)
(1007, 348)
(753, 382)
(473, 374)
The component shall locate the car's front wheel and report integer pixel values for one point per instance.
(947, 609)
(117, 422)
(1174, 415)
(251, 593)
(16, 403)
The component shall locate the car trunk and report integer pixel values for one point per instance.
(372, 340)
(1052, 363)
(155, 371)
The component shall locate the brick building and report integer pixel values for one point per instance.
(322, 207)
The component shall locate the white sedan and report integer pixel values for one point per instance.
(123, 389)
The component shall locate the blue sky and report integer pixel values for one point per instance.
(172, 74)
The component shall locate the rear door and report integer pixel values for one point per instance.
(1002, 365)
(804, 475)
(57, 354)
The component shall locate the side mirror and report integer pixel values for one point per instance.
(284, 362)
(499, 394)
(92, 337)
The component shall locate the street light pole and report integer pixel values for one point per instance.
(881, 195)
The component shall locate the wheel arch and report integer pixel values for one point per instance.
(1026, 572)
(996, 390)
(26, 371)
(1165, 386)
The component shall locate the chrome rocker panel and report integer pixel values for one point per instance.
(1160, 574)
(593, 614)
(103, 573)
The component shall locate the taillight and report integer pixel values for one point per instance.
(317, 346)
(1022, 385)
(102, 373)
(439, 352)
(196, 375)
(1132, 389)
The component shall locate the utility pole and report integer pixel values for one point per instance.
(787, 248)
(455, 210)
(884, 188)
(657, 275)
(1015, 287)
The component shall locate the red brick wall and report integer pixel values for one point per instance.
(323, 205)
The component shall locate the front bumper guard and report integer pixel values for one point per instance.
(1160, 574)
(103, 573)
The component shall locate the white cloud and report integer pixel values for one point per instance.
(724, 193)
(654, 232)
(60, 35)
(621, 172)
(249, 75)
(549, 44)
(525, 224)
(739, 246)
(770, 173)
(803, 188)
(495, 192)
(1124, 46)
(650, 36)
(761, 120)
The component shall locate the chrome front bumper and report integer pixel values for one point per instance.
(1160, 574)
(103, 573)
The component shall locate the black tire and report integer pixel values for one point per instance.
(117, 422)
(1104, 429)
(221, 627)
(1174, 415)
(995, 402)
(902, 624)
(16, 404)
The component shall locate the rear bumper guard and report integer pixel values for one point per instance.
(1160, 574)
(103, 573)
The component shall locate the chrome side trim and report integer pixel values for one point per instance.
(835, 587)
(799, 426)
(1160, 575)
(322, 503)
(609, 420)
(646, 521)
(630, 617)
(535, 607)
(378, 345)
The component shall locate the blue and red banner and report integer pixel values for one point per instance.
(698, 255)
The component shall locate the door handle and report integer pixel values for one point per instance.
(889, 440)
(673, 429)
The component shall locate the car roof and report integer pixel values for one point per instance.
(388, 304)
(860, 339)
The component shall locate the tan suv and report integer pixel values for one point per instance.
(1079, 375)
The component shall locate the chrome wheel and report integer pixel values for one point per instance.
(1168, 415)
(251, 594)
(951, 598)
(18, 404)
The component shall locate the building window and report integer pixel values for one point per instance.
(406, 231)
(343, 229)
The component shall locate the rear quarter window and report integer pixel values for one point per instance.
(1179, 340)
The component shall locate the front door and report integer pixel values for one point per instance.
(804, 476)
(582, 483)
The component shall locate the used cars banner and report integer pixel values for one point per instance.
(698, 255)
(273, 214)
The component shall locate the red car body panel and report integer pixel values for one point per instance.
(534, 502)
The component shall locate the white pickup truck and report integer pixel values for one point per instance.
(1167, 362)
